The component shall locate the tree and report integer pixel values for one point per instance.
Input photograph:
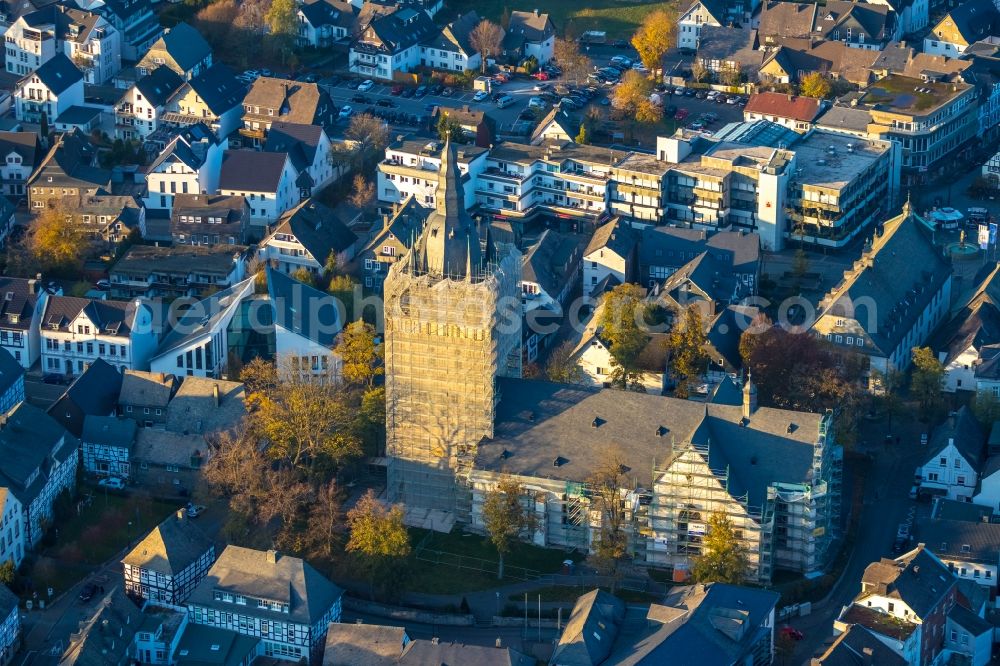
(723, 556)
(304, 275)
(8, 573)
(655, 37)
(633, 89)
(624, 309)
(56, 241)
(927, 378)
(361, 358)
(362, 192)
(607, 486)
(370, 136)
(748, 338)
(215, 22)
(504, 516)
(325, 522)
(259, 377)
(574, 64)
(815, 85)
(649, 113)
(986, 407)
(342, 288)
(505, 18)
(699, 72)
(449, 129)
(561, 366)
(686, 344)
(487, 39)
(583, 137)
(280, 18)
(378, 535)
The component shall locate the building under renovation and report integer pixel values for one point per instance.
(452, 326)
(774, 473)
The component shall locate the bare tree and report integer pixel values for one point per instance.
(575, 65)
(362, 192)
(325, 524)
(505, 517)
(370, 136)
(487, 38)
(607, 484)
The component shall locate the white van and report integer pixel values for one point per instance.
(504, 101)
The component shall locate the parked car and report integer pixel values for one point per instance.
(346, 111)
(88, 592)
(536, 103)
(527, 114)
(353, 84)
(480, 96)
(112, 483)
(567, 103)
(448, 92)
(409, 92)
(733, 100)
(540, 75)
(689, 92)
(385, 102)
(913, 492)
(792, 632)
(396, 90)
(681, 114)
(435, 89)
(309, 77)
(266, 72)
(420, 91)
(52, 378)
(361, 99)
(366, 85)
(539, 87)
(195, 510)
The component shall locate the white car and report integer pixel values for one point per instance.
(346, 111)
(536, 103)
(366, 85)
(481, 96)
(112, 482)
(639, 67)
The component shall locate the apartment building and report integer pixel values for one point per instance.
(410, 168)
(307, 237)
(278, 100)
(171, 272)
(140, 109)
(391, 43)
(20, 317)
(213, 97)
(69, 168)
(105, 218)
(136, 22)
(77, 331)
(12, 538)
(86, 38)
(209, 219)
(106, 445)
(189, 164)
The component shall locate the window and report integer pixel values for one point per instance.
(943, 462)
(958, 463)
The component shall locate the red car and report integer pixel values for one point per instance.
(540, 75)
(792, 632)
(396, 89)
(681, 114)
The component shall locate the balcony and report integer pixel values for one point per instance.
(585, 176)
(715, 195)
(252, 133)
(641, 190)
(500, 174)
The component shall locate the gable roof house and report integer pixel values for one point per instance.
(390, 44)
(591, 630)
(550, 273)
(698, 14)
(267, 180)
(181, 49)
(51, 89)
(891, 299)
(389, 242)
(279, 100)
(476, 123)
(954, 457)
(21, 310)
(169, 562)
(729, 52)
(93, 393)
(20, 153)
(962, 26)
(213, 97)
(451, 48)
(309, 147)
(858, 25)
(905, 602)
(69, 168)
(305, 237)
(106, 634)
(144, 396)
(85, 37)
(39, 462)
(323, 23)
(106, 445)
(976, 326)
(611, 253)
(107, 218)
(189, 164)
(307, 324)
(263, 587)
(140, 109)
(209, 219)
(557, 125)
(793, 112)
(529, 34)
(970, 549)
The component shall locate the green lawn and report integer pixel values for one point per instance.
(100, 531)
(618, 18)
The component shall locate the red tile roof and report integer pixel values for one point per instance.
(804, 109)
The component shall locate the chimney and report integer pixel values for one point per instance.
(749, 399)
(181, 514)
(537, 13)
(215, 394)
(272, 556)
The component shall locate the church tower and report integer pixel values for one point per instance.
(452, 326)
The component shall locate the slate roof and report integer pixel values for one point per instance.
(675, 246)
(947, 509)
(11, 371)
(193, 408)
(61, 17)
(251, 171)
(455, 36)
(199, 320)
(301, 142)
(705, 273)
(316, 227)
(422, 652)
(960, 539)
(148, 389)
(967, 23)
(901, 274)
(362, 644)
(917, 578)
(106, 632)
(729, 44)
(837, 15)
(968, 620)
(202, 645)
(803, 109)
(290, 580)
(29, 441)
(159, 85)
(964, 431)
(190, 146)
(724, 331)
(396, 32)
(552, 261)
(786, 19)
(185, 45)
(530, 26)
(171, 546)
(305, 311)
(859, 647)
(218, 88)
(591, 630)
(616, 235)
(560, 118)
(293, 101)
(108, 431)
(539, 422)
(329, 12)
(109, 317)
(72, 154)
(24, 144)
(978, 322)
(58, 74)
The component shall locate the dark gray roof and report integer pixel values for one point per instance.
(616, 235)
(106, 632)
(219, 88)
(185, 45)
(674, 246)
(93, 392)
(726, 43)
(78, 115)
(189, 145)
(200, 320)
(108, 431)
(539, 422)
(973, 20)
(947, 509)
(305, 311)
(24, 144)
(530, 26)
(146, 388)
(58, 74)
(251, 171)
(179, 260)
(591, 630)
(363, 644)
(724, 334)
(552, 261)
(845, 118)
(300, 142)
(706, 273)
(171, 546)
(71, 161)
(977, 324)
(109, 317)
(202, 645)
(396, 32)
(968, 620)
(860, 647)
(960, 539)
(11, 371)
(917, 578)
(290, 580)
(8, 601)
(329, 12)
(31, 441)
(456, 35)
(964, 431)
(316, 227)
(159, 85)
(422, 652)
